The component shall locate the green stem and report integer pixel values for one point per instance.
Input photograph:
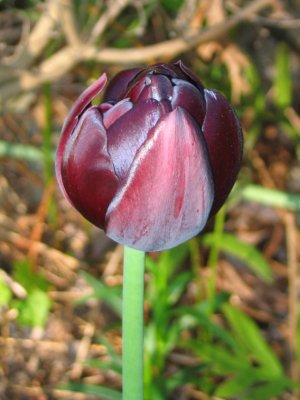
(133, 324)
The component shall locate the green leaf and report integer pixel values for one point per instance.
(249, 336)
(243, 251)
(28, 278)
(185, 376)
(283, 78)
(177, 286)
(223, 360)
(162, 272)
(207, 325)
(5, 293)
(21, 151)
(150, 339)
(237, 385)
(271, 197)
(34, 310)
(267, 390)
(258, 97)
(252, 384)
(174, 257)
(114, 363)
(102, 392)
(104, 365)
(213, 305)
(111, 295)
(122, 42)
(172, 5)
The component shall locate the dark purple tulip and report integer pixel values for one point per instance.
(155, 160)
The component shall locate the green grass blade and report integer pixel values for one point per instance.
(101, 392)
(271, 197)
(244, 252)
(283, 78)
(20, 151)
(237, 385)
(111, 295)
(249, 336)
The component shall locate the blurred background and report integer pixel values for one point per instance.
(221, 311)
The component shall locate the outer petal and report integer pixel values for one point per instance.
(79, 106)
(129, 132)
(169, 70)
(87, 171)
(117, 87)
(187, 96)
(224, 139)
(189, 74)
(168, 195)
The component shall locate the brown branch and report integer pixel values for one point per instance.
(65, 59)
(174, 47)
(293, 274)
(287, 23)
(38, 38)
(69, 24)
(114, 8)
(50, 70)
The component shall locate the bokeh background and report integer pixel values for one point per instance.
(221, 311)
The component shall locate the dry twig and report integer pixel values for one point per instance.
(72, 54)
(39, 37)
(114, 8)
(293, 273)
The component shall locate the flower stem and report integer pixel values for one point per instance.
(133, 325)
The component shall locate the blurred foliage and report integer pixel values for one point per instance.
(172, 5)
(186, 314)
(283, 78)
(230, 361)
(33, 309)
(17, 4)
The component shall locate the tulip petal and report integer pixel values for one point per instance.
(129, 132)
(189, 74)
(72, 119)
(136, 88)
(157, 87)
(187, 96)
(169, 70)
(117, 87)
(115, 112)
(168, 194)
(224, 139)
(104, 107)
(87, 171)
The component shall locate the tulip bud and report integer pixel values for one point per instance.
(155, 160)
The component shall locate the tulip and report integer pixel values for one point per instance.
(154, 161)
